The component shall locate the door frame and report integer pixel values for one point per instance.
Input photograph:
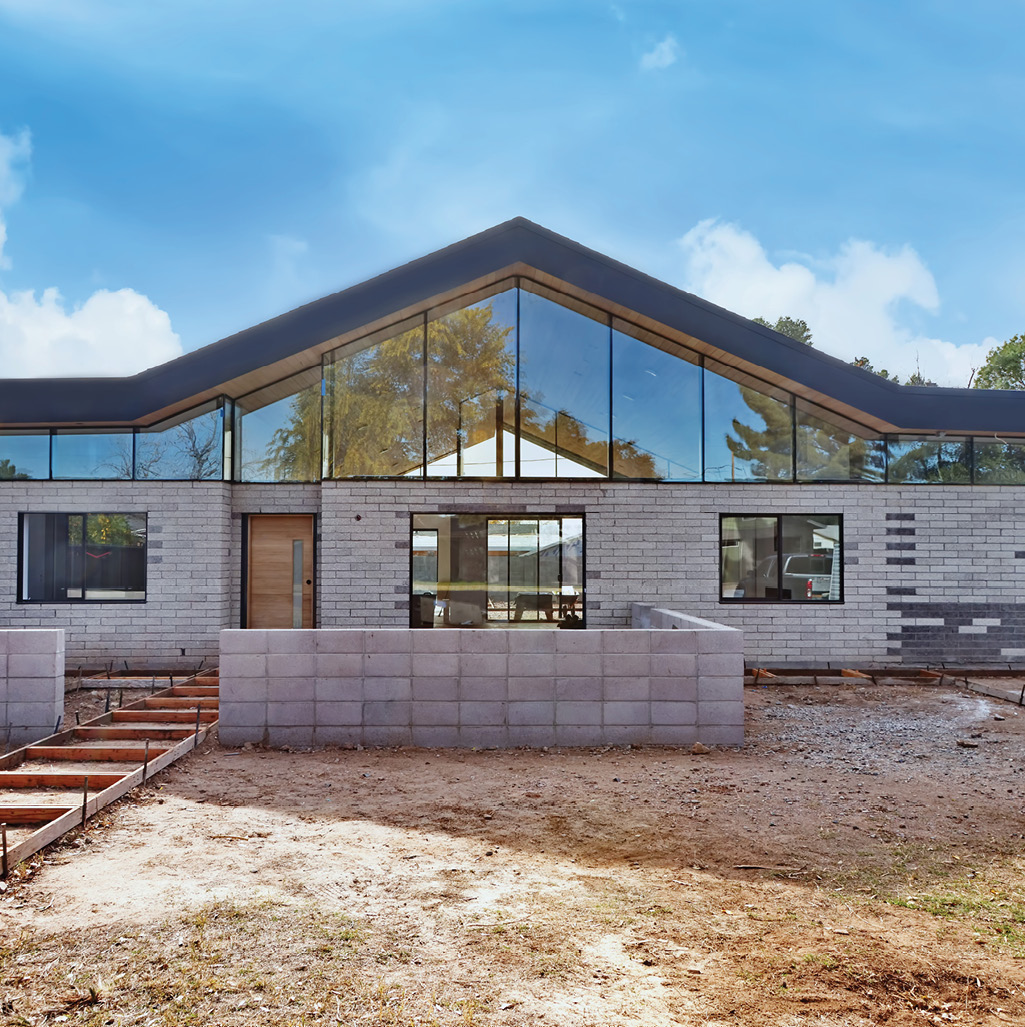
(244, 583)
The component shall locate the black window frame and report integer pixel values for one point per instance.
(51, 597)
(779, 598)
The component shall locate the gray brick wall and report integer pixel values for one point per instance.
(31, 685)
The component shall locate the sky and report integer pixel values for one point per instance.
(175, 171)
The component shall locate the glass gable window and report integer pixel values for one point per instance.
(373, 405)
(96, 455)
(476, 570)
(832, 448)
(82, 557)
(925, 459)
(780, 558)
(748, 428)
(278, 430)
(471, 389)
(656, 409)
(24, 455)
(564, 390)
(189, 447)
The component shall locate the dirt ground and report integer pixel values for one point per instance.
(859, 861)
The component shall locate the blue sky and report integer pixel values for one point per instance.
(176, 170)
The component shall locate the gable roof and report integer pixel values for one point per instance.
(294, 340)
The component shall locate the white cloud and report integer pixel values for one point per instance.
(855, 302)
(111, 333)
(661, 56)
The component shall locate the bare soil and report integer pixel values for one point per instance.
(853, 864)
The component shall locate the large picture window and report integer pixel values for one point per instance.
(95, 557)
(780, 558)
(480, 570)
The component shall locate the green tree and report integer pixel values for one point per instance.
(767, 450)
(791, 326)
(866, 365)
(9, 472)
(1004, 367)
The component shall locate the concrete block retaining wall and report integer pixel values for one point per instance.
(31, 685)
(488, 687)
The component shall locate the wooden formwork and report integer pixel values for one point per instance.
(57, 783)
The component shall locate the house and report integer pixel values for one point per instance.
(516, 432)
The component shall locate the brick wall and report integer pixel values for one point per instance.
(31, 685)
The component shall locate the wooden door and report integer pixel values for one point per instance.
(279, 578)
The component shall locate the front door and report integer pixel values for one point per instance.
(279, 578)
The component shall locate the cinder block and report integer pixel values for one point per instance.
(625, 641)
(32, 690)
(730, 689)
(296, 737)
(531, 689)
(33, 665)
(578, 689)
(436, 640)
(534, 737)
(625, 689)
(345, 714)
(578, 665)
(387, 689)
(242, 714)
(38, 641)
(339, 735)
(673, 665)
(673, 734)
(721, 713)
(339, 665)
(292, 641)
(626, 734)
(531, 640)
(672, 641)
(387, 665)
(395, 640)
(578, 641)
(482, 664)
(339, 689)
(531, 713)
(722, 734)
(431, 737)
(476, 714)
(230, 735)
(339, 641)
(487, 689)
(723, 641)
(626, 665)
(532, 665)
(484, 737)
(436, 664)
(720, 665)
(578, 734)
(386, 714)
(674, 713)
(240, 665)
(239, 641)
(288, 714)
(243, 689)
(485, 641)
(674, 690)
(589, 713)
(383, 734)
(434, 689)
(432, 714)
(627, 713)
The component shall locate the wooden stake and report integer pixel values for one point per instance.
(3, 867)
(145, 761)
(198, 710)
(85, 800)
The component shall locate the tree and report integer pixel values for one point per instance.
(1004, 367)
(866, 365)
(791, 326)
(9, 472)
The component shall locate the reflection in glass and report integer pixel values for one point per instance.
(373, 406)
(24, 455)
(185, 448)
(471, 389)
(99, 455)
(999, 461)
(748, 431)
(279, 430)
(656, 411)
(98, 557)
(920, 459)
(831, 448)
(471, 570)
(564, 391)
(751, 566)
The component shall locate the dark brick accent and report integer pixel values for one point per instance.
(900, 561)
(900, 531)
(897, 590)
(1019, 554)
(900, 545)
(943, 643)
(900, 517)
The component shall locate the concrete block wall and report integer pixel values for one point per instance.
(188, 572)
(31, 685)
(482, 687)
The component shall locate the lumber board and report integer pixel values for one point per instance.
(57, 779)
(32, 813)
(109, 753)
(127, 732)
(204, 691)
(161, 716)
(173, 702)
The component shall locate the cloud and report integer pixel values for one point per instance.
(857, 302)
(112, 333)
(663, 54)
